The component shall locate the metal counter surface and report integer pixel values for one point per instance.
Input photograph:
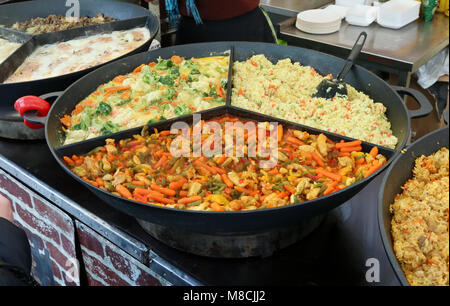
(290, 8)
(401, 51)
(335, 254)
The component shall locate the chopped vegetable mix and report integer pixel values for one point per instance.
(164, 89)
(143, 169)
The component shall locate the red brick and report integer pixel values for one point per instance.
(57, 256)
(54, 215)
(146, 279)
(38, 225)
(55, 269)
(93, 282)
(101, 271)
(118, 261)
(90, 242)
(15, 189)
(68, 246)
(123, 265)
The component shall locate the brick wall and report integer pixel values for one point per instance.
(107, 265)
(50, 231)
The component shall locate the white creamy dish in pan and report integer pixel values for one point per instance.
(7, 48)
(78, 54)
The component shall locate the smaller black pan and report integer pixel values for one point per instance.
(396, 176)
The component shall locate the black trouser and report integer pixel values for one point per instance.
(15, 256)
(251, 26)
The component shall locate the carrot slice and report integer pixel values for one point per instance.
(177, 184)
(348, 144)
(123, 191)
(66, 120)
(188, 200)
(331, 175)
(227, 181)
(351, 149)
(317, 159)
(163, 190)
(280, 133)
(374, 152)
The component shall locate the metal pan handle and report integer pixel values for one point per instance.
(425, 106)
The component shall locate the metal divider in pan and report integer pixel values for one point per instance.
(89, 83)
(87, 145)
(237, 111)
(14, 36)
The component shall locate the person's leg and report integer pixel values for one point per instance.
(15, 253)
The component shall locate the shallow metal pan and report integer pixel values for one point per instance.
(12, 91)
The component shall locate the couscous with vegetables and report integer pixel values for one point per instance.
(285, 90)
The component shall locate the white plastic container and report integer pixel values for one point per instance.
(361, 15)
(395, 14)
(351, 3)
(338, 10)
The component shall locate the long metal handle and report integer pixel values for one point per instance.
(356, 50)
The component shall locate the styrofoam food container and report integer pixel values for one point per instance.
(351, 3)
(398, 13)
(337, 9)
(361, 15)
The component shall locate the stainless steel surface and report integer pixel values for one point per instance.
(290, 8)
(407, 48)
(259, 244)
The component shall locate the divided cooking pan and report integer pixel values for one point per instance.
(399, 172)
(229, 222)
(130, 16)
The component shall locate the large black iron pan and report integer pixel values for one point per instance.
(396, 176)
(230, 222)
